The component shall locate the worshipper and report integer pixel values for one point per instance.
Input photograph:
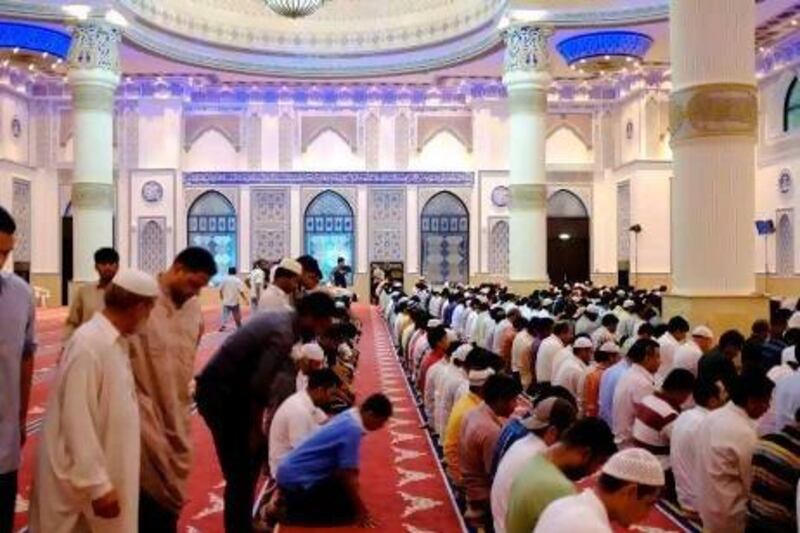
(163, 355)
(318, 480)
(625, 493)
(656, 415)
(776, 343)
(231, 290)
(341, 273)
(589, 321)
(776, 472)
(479, 433)
(447, 392)
(571, 372)
(633, 386)
(87, 473)
(719, 365)
(88, 297)
(253, 371)
(300, 415)
(560, 338)
(689, 353)
(644, 330)
(310, 357)
(311, 276)
(725, 444)
(787, 401)
(626, 318)
(502, 340)
(607, 331)
(752, 349)
(439, 342)
(604, 358)
(791, 354)
(608, 386)
(433, 379)
(461, 408)
(522, 353)
(543, 428)
(677, 329)
(551, 474)
(17, 346)
(683, 449)
(279, 295)
(258, 278)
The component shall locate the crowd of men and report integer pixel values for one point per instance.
(115, 451)
(528, 395)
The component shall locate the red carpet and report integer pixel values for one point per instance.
(401, 480)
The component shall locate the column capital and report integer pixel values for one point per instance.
(95, 46)
(527, 48)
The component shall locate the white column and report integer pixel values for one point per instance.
(714, 112)
(94, 72)
(527, 80)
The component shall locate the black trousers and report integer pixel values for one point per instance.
(8, 500)
(326, 503)
(230, 428)
(154, 517)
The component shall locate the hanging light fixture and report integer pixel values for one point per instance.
(294, 8)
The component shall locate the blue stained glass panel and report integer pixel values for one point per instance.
(212, 225)
(329, 231)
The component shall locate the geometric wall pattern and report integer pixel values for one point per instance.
(623, 223)
(21, 211)
(387, 224)
(498, 248)
(269, 224)
(444, 225)
(785, 243)
(152, 245)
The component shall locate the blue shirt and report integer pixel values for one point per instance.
(608, 384)
(334, 446)
(511, 433)
(787, 401)
(16, 342)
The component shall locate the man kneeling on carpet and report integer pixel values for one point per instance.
(318, 480)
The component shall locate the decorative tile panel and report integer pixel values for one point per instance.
(785, 243)
(466, 179)
(444, 225)
(152, 245)
(387, 223)
(623, 224)
(21, 211)
(499, 248)
(269, 224)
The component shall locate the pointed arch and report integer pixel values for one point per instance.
(791, 107)
(212, 224)
(566, 204)
(329, 230)
(198, 134)
(565, 125)
(444, 236)
(446, 129)
(329, 129)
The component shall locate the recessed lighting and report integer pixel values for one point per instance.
(607, 58)
(16, 50)
(794, 22)
(564, 236)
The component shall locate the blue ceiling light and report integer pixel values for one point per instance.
(606, 51)
(30, 38)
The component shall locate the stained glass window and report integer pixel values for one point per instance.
(791, 117)
(212, 225)
(330, 231)
(444, 226)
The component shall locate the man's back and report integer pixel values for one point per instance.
(776, 470)
(536, 485)
(683, 455)
(231, 288)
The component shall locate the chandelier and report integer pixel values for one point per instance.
(294, 8)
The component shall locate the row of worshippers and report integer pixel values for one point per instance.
(638, 389)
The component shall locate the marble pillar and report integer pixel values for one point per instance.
(714, 120)
(93, 74)
(527, 80)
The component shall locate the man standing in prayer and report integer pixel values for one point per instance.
(318, 480)
(718, 364)
(311, 357)
(638, 382)
(446, 393)
(607, 332)
(279, 295)
(479, 433)
(550, 418)
(545, 357)
(725, 445)
(683, 448)
(604, 358)
(522, 363)
(231, 291)
(163, 354)
(88, 298)
(87, 473)
(550, 475)
(17, 346)
(311, 277)
(252, 371)
(625, 493)
(439, 342)
(677, 329)
(571, 372)
(258, 278)
(688, 354)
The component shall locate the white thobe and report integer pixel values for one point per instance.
(499, 332)
(451, 387)
(580, 513)
(683, 455)
(571, 375)
(512, 462)
(725, 445)
(471, 326)
(274, 299)
(687, 356)
(558, 359)
(90, 438)
(668, 345)
(633, 386)
(601, 336)
(434, 376)
(545, 357)
(296, 418)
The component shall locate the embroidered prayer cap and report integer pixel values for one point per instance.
(582, 342)
(609, 347)
(312, 351)
(292, 265)
(136, 282)
(477, 378)
(636, 466)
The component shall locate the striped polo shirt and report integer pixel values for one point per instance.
(652, 427)
(776, 470)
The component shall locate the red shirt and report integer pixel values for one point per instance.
(433, 357)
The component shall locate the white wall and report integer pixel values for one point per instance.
(443, 152)
(564, 147)
(213, 151)
(329, 152)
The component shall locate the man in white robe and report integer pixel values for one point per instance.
(87, 475)
(284, 283)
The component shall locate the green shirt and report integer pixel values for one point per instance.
(535, 486)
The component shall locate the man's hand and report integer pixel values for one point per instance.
(107, 505)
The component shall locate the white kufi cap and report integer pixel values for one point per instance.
(582, 342)
(287, 263)
(136, 282)
(636, 466)
(478, 377)
(609, 347)
(462, 352)
(702, 331)
(312, 351)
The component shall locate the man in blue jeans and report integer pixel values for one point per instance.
(318, 480)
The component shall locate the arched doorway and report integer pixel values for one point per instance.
(785, 244)
(444, 232)
(330, 231)
(567, 238)
(211, 224)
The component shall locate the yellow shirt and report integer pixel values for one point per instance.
(453, 431)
